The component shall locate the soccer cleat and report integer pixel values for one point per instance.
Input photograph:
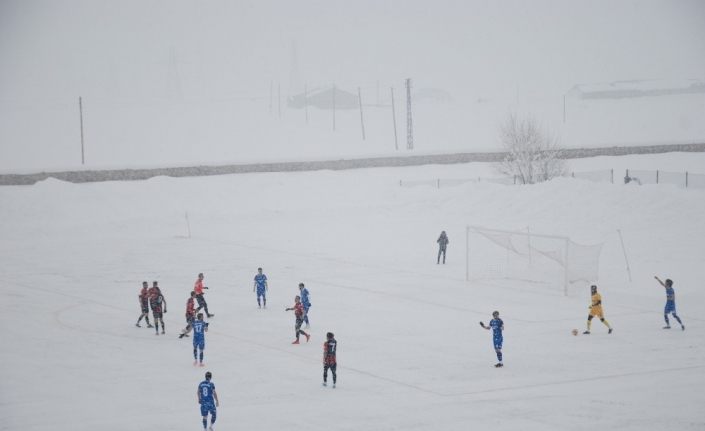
(156, 333)
(210, 428)
(308, 337)
(609, 331)
(210, 315)
(183, 335)
(683, 327)
(498, 365)
(295, 342)
(333, 385)
(138, 325)
(667, 327)
(324, 384)
(150, 326)
(586, 333)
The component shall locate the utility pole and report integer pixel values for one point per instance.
(362, 121)
(409, 127)
(80, 114)
(394, 120)
(564, 109)
(306, 101)
(333, 107)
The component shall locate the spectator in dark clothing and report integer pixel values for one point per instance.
(442, 244)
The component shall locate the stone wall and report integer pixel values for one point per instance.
(410, 160)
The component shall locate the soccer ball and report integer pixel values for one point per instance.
(574, 332)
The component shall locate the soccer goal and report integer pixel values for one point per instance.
(552, 260)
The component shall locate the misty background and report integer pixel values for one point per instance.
(186, 82)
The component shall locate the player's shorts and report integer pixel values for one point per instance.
(189, 319)
(199, 343)
(597, 312)
(157, 314)
(207, 408)
(669, 308)
(145, 308)
(260, 291)
(329, 361)
(497, 343)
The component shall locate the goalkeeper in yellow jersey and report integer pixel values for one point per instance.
(596, 310)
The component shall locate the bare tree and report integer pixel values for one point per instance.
(532, 155)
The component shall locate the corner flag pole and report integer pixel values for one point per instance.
(621, 240)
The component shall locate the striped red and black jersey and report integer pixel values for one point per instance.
(190, 310)
(299, 310)
(329, 349)
(143, 296)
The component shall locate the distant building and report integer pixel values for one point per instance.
(324, 98)
(630, 89)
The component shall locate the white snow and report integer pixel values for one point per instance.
(411, 352)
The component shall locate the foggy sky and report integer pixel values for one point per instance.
(57, 49)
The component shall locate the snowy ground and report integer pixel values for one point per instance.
(411, 353)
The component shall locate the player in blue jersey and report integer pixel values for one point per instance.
(206, 397)
(261, 287)
(305, 301)
(670, 303)
(199, 338)
(497, 326)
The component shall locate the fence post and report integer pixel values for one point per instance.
(612, 175)
(656, 176)
(626, 176)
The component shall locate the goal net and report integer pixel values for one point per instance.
(555, 261)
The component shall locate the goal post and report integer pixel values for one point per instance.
(529, 257)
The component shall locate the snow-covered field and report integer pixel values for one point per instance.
(411, 352)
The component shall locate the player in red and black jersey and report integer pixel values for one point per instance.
(299, 312)
(329, 349)
(158, 304)
(144, 305)
(190, 315)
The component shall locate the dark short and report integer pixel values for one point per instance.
(207, 408)
(497, 343)
(145, 308)
(189, 319)
(157, 313)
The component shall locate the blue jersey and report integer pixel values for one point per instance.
(496, 325)
(304, 297)
(205, 392)
(199, 329)
(670, 295)
(261, 281)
